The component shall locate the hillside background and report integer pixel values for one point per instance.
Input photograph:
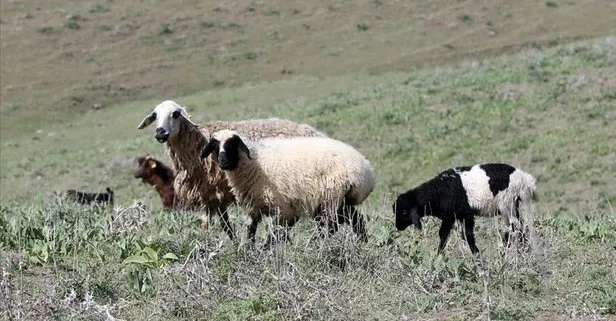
(417, 86)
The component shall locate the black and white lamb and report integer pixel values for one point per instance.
(462, 192)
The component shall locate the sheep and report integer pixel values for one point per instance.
(85, 198)
(462, 192)
(199, 185)
(159, 175)
(291, 177)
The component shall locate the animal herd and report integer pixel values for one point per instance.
(287, 170)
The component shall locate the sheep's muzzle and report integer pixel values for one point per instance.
(161, 135)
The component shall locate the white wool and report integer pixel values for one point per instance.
(521, 184)
(475, 182)
(299, 174)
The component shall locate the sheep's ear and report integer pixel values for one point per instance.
(211, 146)
(147, 121)
(185, 114)
(244, 148)
(152, 164)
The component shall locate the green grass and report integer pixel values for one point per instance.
(550, 112)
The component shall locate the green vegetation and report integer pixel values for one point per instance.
(69, 116)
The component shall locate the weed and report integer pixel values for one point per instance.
(164, 29)
(73, 22)
(207, 24)
(551, 4)
(270, 13)
(251, 55)
(363, 26)
(465, 18)
(45, 30)
(98, 8)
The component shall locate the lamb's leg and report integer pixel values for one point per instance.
(512, 216)
(443, 232)
(524, 234)
(469, 226)
(224, 222)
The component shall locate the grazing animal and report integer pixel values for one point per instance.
(199, 184)
(463, 192)
(290, 177)
(86, 198)
(154, 172)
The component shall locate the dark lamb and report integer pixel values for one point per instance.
(86, 198)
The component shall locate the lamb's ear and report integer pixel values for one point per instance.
(244, 148)
(147, 120)
(415, 218)
(211, 146)
(185, 114)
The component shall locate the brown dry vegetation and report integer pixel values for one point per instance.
(61, 55)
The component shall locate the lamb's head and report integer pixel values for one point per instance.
(169, 116)
(228, 146)
(146, 167)
(407, 212)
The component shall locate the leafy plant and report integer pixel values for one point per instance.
(73, 22)
(148, 256)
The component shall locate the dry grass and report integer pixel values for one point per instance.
(64, 55)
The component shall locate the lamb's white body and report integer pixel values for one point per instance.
(476, 183)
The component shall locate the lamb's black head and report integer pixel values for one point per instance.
(407, 212)
(226, 145)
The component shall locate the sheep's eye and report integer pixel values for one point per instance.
(175, 114)
(153, 115)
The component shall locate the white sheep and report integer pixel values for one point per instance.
(290, 177)
(198, 184)
(463, 192)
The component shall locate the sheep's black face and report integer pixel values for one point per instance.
(406, 214)
(229, 156)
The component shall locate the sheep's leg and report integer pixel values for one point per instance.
(358, 223)
(469, 226)
(443, 232)
(224, 222)
(326, 226)
(281, 227)
(252, 228)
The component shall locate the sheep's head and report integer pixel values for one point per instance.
(168, 116)
(406, 210)
(226, 145)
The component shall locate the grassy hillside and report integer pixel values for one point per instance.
(550, 112)
(417, 86)
(66, 55)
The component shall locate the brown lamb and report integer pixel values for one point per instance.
(154, 172)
